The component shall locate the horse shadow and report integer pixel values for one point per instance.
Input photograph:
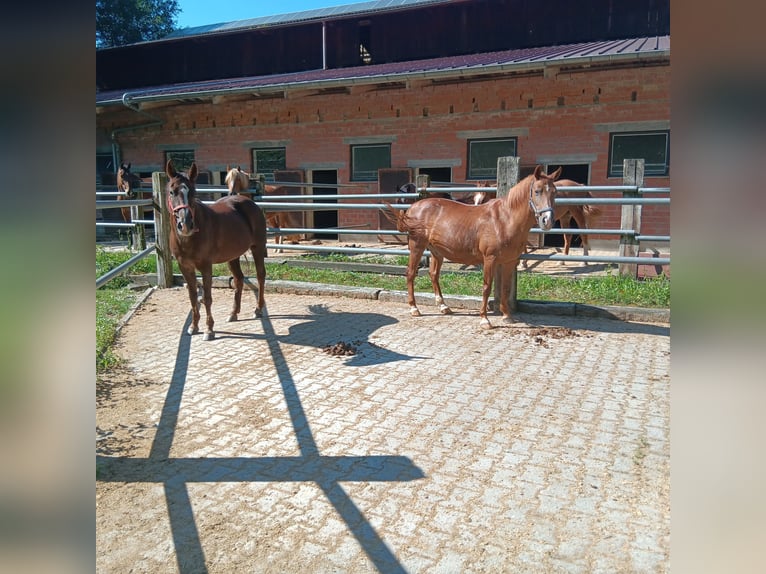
(321, 327)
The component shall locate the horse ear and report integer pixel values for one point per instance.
(193, 171)
(556, 174)
(170, 170)
(228, 168)
(538, 171)
(127, 167)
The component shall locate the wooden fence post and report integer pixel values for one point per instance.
(422, 181)
(139, 231)
(162, 230)
(633, 174)
(507, 177)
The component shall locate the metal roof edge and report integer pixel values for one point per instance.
(187, 91)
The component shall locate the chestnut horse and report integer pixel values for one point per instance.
(206, 234)
(127, 183)
(238, 182)
(490, 234)
(584, 215)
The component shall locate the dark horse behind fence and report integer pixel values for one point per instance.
(238, 182)
(128, 183)
(202, 235)
(490, 234)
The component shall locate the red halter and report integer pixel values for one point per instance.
(173, 210)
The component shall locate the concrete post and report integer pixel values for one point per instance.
(633, 174)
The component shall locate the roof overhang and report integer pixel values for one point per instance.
(582, 57)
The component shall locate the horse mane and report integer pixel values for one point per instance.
(236, 175)
(518, 195)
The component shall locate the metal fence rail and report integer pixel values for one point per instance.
(634, 196)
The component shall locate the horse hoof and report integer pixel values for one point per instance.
(444, 310)
(232, 318)
(192, 331)
(209, 336)
(508, 320)
(414, 312)
(485, 324)
(258, 313)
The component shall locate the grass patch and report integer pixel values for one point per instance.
(111, 306)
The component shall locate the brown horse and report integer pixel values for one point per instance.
(490, 234)
(584, 215)
(206, 234)
(127, 183)
(238, 182)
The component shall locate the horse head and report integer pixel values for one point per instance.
(181, 198)
(127, 181)
(542, 196)
(406, 188)
(237, 180)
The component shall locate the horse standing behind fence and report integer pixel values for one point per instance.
(584, 215)
(221, 232)
(490, 234)
(127, 184)
(238, 182)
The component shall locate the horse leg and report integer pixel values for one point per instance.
(207, 299)
(239, 280)
(416, 252)
(579, 217)
(505, 291)
(434, 269)
(489, 274)
(566, 222)
(260, 271)
(191, 286)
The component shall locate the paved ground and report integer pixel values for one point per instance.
(437, 447)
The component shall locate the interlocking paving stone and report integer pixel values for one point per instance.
(437, 447)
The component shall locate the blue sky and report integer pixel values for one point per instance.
(203, 12)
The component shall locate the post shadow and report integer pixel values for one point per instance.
(327, 472)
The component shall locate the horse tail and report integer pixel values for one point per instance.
(396, 216)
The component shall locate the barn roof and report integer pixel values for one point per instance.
(454, 67)
(316, 15)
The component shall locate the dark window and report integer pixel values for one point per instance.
(483, 154)
(652, 147)
(366, 160)
(182, 159)
(268, 160)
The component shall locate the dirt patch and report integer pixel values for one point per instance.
(341, 348)
(542, 335)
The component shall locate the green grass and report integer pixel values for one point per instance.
(115, 299)
(111, 305)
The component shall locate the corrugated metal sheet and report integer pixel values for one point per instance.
(455, 66)
(317, 15)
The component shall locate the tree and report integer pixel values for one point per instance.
(120, 22)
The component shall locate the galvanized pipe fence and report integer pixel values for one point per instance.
(634, 197)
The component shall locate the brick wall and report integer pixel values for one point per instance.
(559, 114)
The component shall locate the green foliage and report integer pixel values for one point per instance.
(120, 22)
(111, 306)
(108, 260)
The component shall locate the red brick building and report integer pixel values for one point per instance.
(437, 87)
